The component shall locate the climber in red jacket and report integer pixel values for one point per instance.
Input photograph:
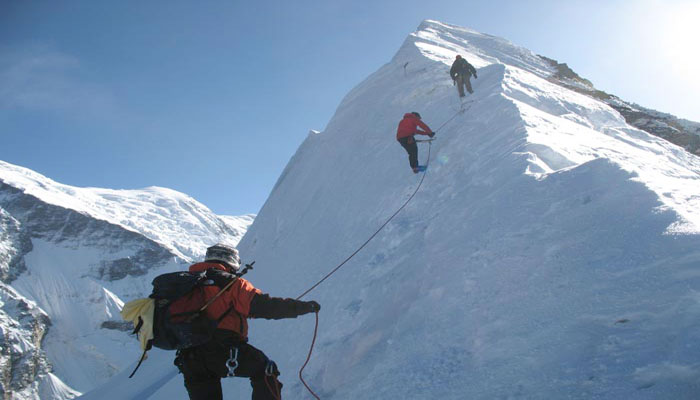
(404, 134)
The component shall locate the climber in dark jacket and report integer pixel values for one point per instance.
(228, 353)
(460, 72)
(404, 134)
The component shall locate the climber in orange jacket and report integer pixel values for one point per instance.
(229, 353)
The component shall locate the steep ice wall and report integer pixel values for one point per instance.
(540, 259)
(552, 252)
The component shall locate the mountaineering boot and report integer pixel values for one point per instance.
(416, 170)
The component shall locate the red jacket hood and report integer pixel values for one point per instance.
(410, 115)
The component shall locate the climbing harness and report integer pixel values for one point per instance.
(232, 362)
(271, 373)
(313, 341)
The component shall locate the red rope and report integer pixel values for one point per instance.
(308, 357)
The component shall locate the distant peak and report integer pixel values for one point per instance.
(434, 24)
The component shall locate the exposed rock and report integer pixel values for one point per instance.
(137, 265)
(23, 326)
(14, 244)
(124, 326)
(681, 132)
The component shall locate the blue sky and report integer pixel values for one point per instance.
(213, 98)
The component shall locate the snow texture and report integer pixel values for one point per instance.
(552, 252)
(178, 222)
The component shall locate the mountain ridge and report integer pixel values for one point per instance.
(142, 209)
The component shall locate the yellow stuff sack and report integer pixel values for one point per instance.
(140, 313)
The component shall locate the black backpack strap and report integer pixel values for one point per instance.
(138, 326)
(225, 288)
(143, 357)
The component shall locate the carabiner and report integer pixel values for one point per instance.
(232, 362)
(271, 369)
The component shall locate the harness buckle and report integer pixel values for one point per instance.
(271, 369)
(232, 362)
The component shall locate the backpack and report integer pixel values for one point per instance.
(174, 316)
(179, 315)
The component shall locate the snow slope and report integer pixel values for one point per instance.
(178, 222)
(70, 259)
(552, 252)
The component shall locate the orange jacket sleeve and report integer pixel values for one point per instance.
(242, 293)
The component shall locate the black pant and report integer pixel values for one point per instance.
(409, 143)
(204, 366)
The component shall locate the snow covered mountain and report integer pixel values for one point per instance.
(553, 250)
(69, 259)
(676, 130)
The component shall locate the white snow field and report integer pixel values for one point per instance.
(172, 219)
(553, 251)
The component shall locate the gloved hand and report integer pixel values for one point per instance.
(475, 77)
(312, 306)
(431, 134)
